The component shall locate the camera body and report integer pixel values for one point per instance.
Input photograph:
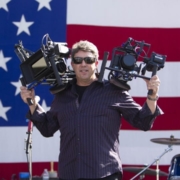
(48, 65)
(124, 66)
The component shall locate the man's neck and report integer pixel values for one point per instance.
(86, 83)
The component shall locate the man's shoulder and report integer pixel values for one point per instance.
(116, 85)
(61, 90)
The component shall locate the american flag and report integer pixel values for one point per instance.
(107, 24)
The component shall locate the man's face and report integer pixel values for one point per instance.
(85, 73)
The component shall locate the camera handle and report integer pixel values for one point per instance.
(154, 71)
(101, 74)
(29, 100)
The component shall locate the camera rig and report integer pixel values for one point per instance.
(124, 67)
(48, 65)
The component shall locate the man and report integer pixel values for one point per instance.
(88, 114)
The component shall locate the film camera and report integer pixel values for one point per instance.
(124, 67)
(48, 65)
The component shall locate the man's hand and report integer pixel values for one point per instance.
(154, 84)
(25, 94)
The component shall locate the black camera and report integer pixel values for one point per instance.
(48, 65)
(124, 67)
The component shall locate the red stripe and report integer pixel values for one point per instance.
(169, 120)
(8, 169)
(163, 41)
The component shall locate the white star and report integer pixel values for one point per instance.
(44, 3)
(44, 106)
(3, 4)
(17, 85)
(3, 111)
(23, 26)
(3, 61)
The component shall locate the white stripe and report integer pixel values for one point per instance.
(128, 13)
(12, 140)
(135, 146)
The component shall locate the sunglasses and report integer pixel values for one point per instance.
(87, 60)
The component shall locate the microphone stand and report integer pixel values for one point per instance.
(29, 147)
(29, 133)
(157, 164)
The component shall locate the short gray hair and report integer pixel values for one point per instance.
(85, 46)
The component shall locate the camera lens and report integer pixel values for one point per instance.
(128, 62)
(61, 66)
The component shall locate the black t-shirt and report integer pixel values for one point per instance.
(80, 91)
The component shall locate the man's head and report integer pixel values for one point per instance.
(84, 62)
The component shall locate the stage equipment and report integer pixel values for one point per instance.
(167, 141)
(148, 171)
(158, 158)
(124, 67)
(174, 170)
(28, 143)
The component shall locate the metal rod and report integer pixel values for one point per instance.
(166, 150)
(157, 170)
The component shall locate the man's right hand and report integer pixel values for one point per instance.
(25, 94)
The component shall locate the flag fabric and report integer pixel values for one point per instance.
(107, 24)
